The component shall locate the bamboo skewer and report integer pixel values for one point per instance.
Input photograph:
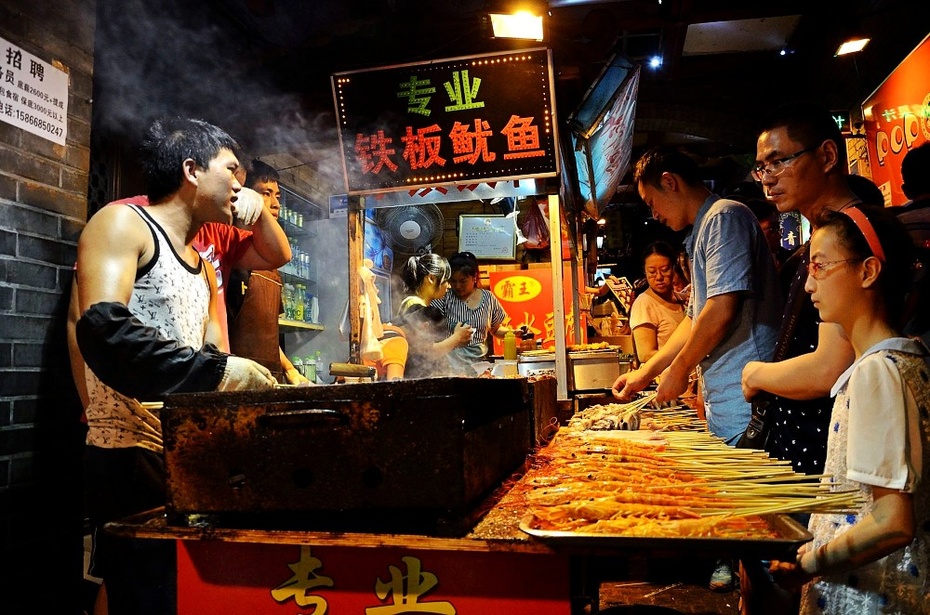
(635, 474)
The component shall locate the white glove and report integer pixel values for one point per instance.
(248, 206)
(241, 374)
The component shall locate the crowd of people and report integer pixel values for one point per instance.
(181, 284)
(821, 353)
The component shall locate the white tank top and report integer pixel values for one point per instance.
(173, 297)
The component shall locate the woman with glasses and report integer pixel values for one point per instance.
(656, 312)
(467, 303)
(426, 278)
(875, 560)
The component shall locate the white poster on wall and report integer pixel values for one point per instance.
(33, 94)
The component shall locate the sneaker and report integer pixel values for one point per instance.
(722, 578)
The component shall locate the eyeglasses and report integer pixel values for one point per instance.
(818, 270)
(662, 271)
(777, 167)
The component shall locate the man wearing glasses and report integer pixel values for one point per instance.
(801, 164)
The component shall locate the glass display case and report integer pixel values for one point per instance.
(300, 292)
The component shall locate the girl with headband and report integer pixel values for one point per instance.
(876, 560)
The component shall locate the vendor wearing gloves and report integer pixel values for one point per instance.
(148, 327)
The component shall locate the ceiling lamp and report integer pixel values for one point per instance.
(852, 45)
(522, 23)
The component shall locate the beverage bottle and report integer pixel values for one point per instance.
(314, 309)
(288, 300)
(298, 365)
(319, 367)
(510, 346)
(308, 306)
(299, 303)
(310, 368)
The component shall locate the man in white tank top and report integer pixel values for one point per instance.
(148, 327)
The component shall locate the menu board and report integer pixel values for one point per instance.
(487, 236)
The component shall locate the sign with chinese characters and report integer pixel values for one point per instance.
(526, 296)
(218, 578)
(897, 119)
(33, 94)
(447, 122)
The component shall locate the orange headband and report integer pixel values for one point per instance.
(868, 231)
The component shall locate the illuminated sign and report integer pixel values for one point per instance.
(448, 122)
(897, 119)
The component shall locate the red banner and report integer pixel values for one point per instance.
(218, 578)
(897, 119)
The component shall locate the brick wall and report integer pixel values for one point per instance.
(43, 208)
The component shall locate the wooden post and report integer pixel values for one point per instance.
(356, 248)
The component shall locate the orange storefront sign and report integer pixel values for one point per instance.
(526, 296)
(897, 119)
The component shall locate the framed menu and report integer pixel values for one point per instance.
(487, 236)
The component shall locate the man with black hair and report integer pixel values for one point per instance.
(148, 327)
(915, 214)
(733, 314)
(801, 165)
(253, 297)
(915, 182)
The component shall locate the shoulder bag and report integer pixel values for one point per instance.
(760, 421)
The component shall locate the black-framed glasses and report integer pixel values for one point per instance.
(777, 167)
(817, 270)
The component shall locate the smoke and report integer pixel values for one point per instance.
(168, 57)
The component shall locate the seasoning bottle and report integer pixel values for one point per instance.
(510, 346)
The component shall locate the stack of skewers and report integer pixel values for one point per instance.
(682, 483)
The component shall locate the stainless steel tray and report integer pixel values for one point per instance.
(790, 535)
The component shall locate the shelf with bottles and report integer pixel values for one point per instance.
(301, 267)
(297, 213)
(287, 326)
(301, 305)
(297, 228)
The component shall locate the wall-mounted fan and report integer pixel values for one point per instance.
(411, 229)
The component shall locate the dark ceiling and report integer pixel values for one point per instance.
(262, 67)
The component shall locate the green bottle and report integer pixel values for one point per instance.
(310, 367)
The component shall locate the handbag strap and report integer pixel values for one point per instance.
(794, 303)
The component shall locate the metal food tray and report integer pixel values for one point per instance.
(790, 536)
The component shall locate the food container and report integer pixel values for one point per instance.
(536, 363)
(593, 370)
(411, 455)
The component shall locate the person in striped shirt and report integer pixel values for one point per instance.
(465, 302)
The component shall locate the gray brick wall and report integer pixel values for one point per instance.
(43, 207)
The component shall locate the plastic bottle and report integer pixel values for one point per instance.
(510, 346)
(298, 365)
(307, 298)
(319, 367)
(310, 368)
(299, 302)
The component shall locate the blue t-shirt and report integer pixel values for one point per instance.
(728, 254)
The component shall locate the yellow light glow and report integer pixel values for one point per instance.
(521, 24)
(852, 46)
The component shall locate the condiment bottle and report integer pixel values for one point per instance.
(510, 346)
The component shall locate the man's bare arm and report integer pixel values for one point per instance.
(270, 248)
(806, 376)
